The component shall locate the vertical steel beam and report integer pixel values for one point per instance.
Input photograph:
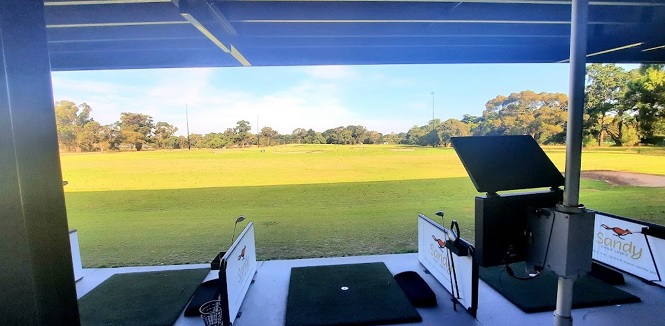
(564, 302)
(36, 272)
(571, 194)
(578, 45)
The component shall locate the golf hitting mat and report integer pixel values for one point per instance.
(151, 298)
(354, 294)
(539, 294)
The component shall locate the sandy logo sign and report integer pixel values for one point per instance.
(455, 273)
(439, 253)
(621, 243)
(620, 246)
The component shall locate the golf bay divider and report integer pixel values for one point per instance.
(76, 254)
(238, 268)
(437, 260)
(628, 245)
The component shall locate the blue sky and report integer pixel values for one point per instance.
(382, 98)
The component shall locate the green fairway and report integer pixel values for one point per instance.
(173, 207)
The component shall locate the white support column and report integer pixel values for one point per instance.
(578, 47)
(564, 301)
(36, 274)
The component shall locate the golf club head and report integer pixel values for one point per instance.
(240, 219)
(440, 213)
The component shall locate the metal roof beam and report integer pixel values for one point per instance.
(141, 60)
(117, 33)
(406, 29)
(405, 55)
(304, 42)
(116, 14)
(54, 3)
(249, 11)
(131, 45)
(210, 21)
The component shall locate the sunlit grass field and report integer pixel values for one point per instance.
(175, 207)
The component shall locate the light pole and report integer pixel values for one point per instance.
(189, 145)
(432, 106)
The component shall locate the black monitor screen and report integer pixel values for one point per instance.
(497, 163)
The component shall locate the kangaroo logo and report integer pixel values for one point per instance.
(618, 232)
(242, 253)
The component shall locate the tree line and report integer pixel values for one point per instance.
(621, 108)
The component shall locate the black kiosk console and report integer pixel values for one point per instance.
(518, 226)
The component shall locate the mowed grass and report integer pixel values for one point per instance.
(176, 207)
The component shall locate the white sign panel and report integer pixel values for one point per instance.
(658, 250)
(620, 244)
(433, 254)
(240, 263)
(76, 254)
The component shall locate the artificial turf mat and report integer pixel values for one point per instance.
(152, 298)
(539, 294)
(316, 297)
(205, 292)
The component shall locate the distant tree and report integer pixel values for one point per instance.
(136, 129)
(163, 131)
(314, 137)
(174, 142)
(471, 121)
(415, 135)
(373, 137)
(629, 135)
(299, 134)
(433, 132)
(358, 134)
(194, 140)
(286, 139)
(393, 138)
(541, 115)
(217, 140)
(604, 105)
(339, 135)
(646, 95)
(490, 124)
(432, 138)
(89, 136)
(69, 122)
(453, 128)
(182, 142)
(110, 137)
(242, 133)
(267, 135)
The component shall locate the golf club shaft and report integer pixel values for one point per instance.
(450, 276)
(233, 236)
(452, 262)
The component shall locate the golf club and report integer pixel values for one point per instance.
(453, 225)
(440, 213)
(238, 220)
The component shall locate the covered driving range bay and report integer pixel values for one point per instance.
(351, 294)
(38, 37)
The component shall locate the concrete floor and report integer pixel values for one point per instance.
(265, 303)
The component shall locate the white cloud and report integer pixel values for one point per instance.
(303, 106)
(317, 101)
